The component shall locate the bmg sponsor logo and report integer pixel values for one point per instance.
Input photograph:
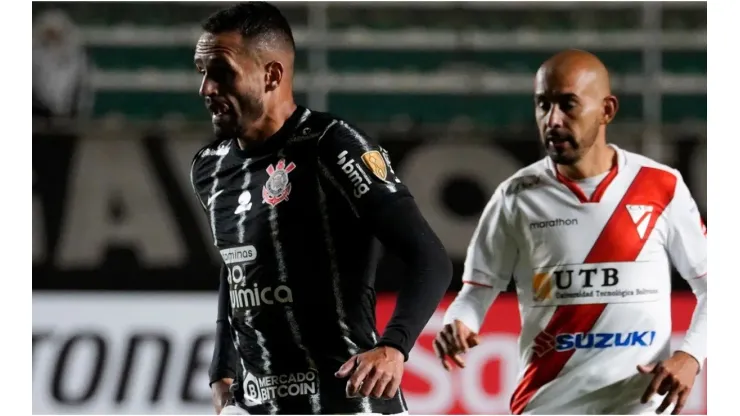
(261, 389)
(355, 174)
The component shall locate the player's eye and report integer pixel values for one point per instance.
(543, 105)
(568, 106)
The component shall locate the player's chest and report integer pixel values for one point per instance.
(555, 227)
(610, 251)
(247, 200)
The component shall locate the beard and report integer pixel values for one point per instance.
(235, 123)
(562, 148)
(565, 149)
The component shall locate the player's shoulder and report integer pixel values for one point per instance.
(528, 178)
(208, 154)
(637, 162)
(338, 129)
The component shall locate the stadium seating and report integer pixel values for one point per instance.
(424, 62)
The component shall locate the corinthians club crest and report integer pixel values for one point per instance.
(277, 187)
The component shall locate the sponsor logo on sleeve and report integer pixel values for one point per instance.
(356, 175)
(374, 161)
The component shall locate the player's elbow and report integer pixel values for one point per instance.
(443, 263)
(433, 262)
(402, 229)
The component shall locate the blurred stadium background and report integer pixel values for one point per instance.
(124, 274)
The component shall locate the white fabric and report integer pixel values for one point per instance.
(470, 306)
(233, 410)
(535, 229)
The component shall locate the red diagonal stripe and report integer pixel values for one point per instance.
(618, 242)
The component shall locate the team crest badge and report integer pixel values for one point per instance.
(277, 187)
(374, 160)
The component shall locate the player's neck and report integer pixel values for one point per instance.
(599, 159)
(269, 124)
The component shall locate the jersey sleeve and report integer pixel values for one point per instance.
(471, 306)
(687, 247)
(687, 243)
(194, 176)
(225, 359)
(358, 168)
(492, 253)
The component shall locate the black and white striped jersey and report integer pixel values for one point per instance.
(293, 222)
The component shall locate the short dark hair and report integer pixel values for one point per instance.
(255, 20)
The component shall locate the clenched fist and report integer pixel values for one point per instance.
(453, 341)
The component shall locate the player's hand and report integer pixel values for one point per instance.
(375, 373)
(673, 377)
(220, 393)
(453, 341)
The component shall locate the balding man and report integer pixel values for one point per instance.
(588, 234)
(295, 199)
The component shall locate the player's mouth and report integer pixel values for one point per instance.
(559, 141)
(219, 111)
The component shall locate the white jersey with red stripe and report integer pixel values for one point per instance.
(593, 279)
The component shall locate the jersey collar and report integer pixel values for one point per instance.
(600, 188)
(277, 140)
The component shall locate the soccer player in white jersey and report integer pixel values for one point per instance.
(588, 234)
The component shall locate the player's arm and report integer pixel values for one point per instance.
(489, 264)
(360, 170)
(223, 364)
(687, 248)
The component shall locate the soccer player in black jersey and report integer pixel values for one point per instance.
(296, 200)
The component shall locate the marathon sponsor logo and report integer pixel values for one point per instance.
(262, 389)
(356, 175)
(558, 222)
(598, 283)
(239, 254)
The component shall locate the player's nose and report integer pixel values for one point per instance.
(554, 117)
(207, 87)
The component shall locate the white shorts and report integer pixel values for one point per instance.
(621, 398)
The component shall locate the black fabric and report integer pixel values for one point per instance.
(297, 220)
(225, 360)
(404, 231)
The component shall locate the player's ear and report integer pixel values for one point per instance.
(611, 105)
(274, 72)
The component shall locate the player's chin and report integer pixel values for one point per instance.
(566, 158)
(225, 130)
